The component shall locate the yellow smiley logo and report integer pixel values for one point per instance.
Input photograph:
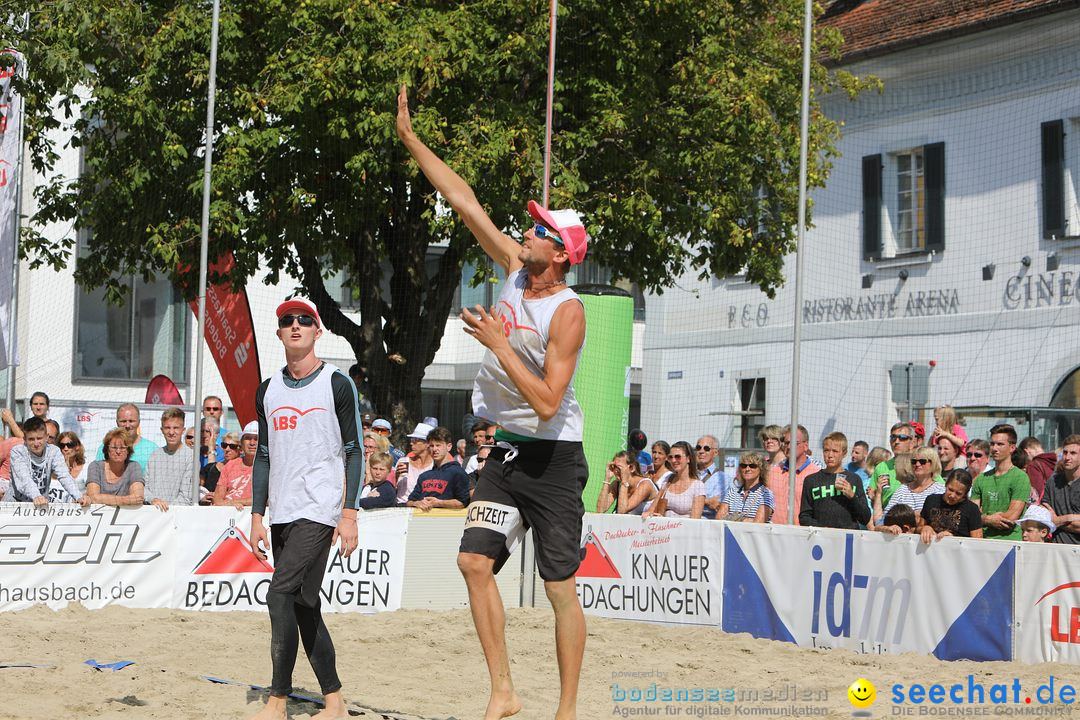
(862, 693)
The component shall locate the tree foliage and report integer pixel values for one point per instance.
(676, 135)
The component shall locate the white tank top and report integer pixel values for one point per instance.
(307, 458)
(495, 397)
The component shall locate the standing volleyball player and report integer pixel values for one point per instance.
(536, 473)
(309, 459)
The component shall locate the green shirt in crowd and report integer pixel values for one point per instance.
(995, 492)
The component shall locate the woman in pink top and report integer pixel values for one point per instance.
(234, 485)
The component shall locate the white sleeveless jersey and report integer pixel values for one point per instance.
(526, 324)
(307, 458)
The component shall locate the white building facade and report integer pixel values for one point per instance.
(947, 238)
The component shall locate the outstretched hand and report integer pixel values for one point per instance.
(404, 120)
(486, 326)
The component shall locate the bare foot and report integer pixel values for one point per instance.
(334, 708)
(273, 710)
(502, 706)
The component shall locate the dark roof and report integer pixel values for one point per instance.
(877, 27)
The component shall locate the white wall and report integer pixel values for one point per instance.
(984, 97)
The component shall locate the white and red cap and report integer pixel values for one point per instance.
(569, 227)
(298, 306)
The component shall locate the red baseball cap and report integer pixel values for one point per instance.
(296, 305)
(568, 225)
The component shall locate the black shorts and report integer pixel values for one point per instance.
(539, 489)
(300, 550)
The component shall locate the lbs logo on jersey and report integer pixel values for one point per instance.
(286, 417)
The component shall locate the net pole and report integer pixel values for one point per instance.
(796, 340)
(550, 101)
(208, 151)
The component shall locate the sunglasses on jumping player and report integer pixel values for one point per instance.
(287, 320)
(542, 232)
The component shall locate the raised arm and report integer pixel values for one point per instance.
(501, 249)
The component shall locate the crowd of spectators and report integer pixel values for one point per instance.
(40, 464)
(934, 485)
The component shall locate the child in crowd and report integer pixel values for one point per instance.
(378, 493)
(1036, 524)
(900, 520)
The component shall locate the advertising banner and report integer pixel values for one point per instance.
(870, 592)
(230, 337)
(216, 569)
(1048, 603)
(101, 556)
(659, 569)
(91, 422)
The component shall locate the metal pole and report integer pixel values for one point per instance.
(528, 548)
(910, 408)
(804, 129)
(13, 315)
(208, 150)
(550, 102)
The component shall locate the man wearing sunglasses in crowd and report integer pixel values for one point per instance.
(901, 440)
(711, 472)
(535, 474)
(308, 457)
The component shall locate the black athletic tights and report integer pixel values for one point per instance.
(288, 619)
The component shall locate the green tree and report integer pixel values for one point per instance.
(676, 135)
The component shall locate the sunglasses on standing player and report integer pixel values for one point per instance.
(542, 232)
(287, 320)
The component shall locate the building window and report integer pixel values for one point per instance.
(1060, 179)
(752, 405)
(912, 220)
(910, 201)
(144, 337)
(338, 288)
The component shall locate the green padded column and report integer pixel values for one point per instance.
(602, 383)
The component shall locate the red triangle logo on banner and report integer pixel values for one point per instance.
(597, 563)
(231, 555)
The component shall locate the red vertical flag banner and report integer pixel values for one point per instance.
(230, 336)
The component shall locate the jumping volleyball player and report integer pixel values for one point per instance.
(535, 474)
(309, 458)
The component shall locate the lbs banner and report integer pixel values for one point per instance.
(216, 570)
(103, 556)
(659, 569)
(1048, 603)
(869, 592)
